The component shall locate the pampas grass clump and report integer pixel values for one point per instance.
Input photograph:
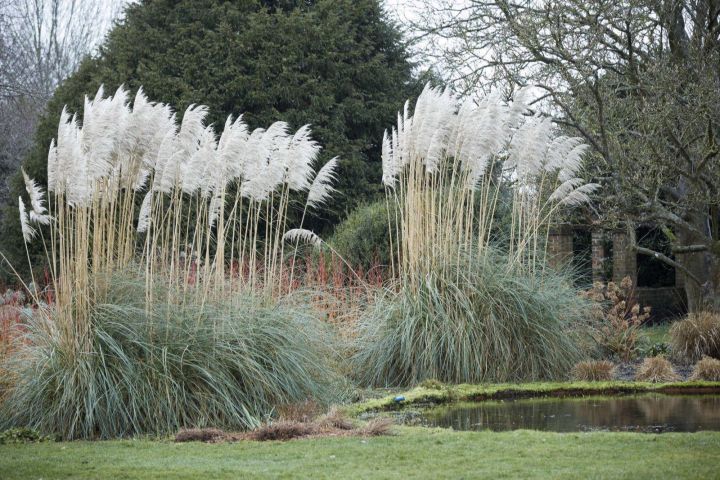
(481, 322)
(656, 370)
(696, 336)
(224, 364)
(203, 334)
(133, 185)
(707, 369)
(462, 311)
(593, 371)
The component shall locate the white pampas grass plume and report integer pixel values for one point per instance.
(529, 146)
(144, 216)
(232, 147)
(264, 170)
(301, 154)
(302, 235)
(38, 212)
(52, 166)
(564, 189)
(216, 205)
(431, 125)
(321, 187)
(580, 195)
(167, 164)
(40, 219)
(27, 231)
(388, 162)
(191, 128)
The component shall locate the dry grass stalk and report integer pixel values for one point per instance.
(593, 371)
(299, 412)
(332, 424)
(707, 369)
(377, 426)
(696, 336)
(283, 431)
(656, 370)
(200, 435)
(335, 419)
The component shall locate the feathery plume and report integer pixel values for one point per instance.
(232, 148)
(321, 187)
(564, 189)
(52, 166)
(38, 211)
(301, 154)
(27, 231)
(216, 206)
(35, 193)
(302, 235)
(580, 195)
(145, 210)
(391, 164)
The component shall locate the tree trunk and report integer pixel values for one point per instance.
(705, 266)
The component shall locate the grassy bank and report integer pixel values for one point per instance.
(413, 453)
(440, 393)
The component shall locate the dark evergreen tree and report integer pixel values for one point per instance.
(339, 65)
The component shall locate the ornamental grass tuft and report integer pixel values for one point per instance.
(695, 336)
(707, 369)
(179, 364)
(593, 371)
(656, 370)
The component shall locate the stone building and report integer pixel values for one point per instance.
(603, 256)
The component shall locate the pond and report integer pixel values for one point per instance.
(654, 413)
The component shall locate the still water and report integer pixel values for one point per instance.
(637, 413)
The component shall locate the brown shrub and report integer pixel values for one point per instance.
(376, 427)
(593, 371)
(199, 435)
(283, 430)
(618, 316)
(299, 412)
(707, 369)
(656, 370)
(335, 419)
(696, 335)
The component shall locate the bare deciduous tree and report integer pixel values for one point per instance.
(41, 43)
(638, 79)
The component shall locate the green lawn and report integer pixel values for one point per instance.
(413, 453)
(656, 333)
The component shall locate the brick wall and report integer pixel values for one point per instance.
(598, 255)
(624, 258)
(665, 301)
(560, 245)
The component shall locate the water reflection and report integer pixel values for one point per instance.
(645, 413)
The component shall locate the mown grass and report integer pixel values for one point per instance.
(414, 453)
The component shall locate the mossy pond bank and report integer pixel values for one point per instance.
(564, 407)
